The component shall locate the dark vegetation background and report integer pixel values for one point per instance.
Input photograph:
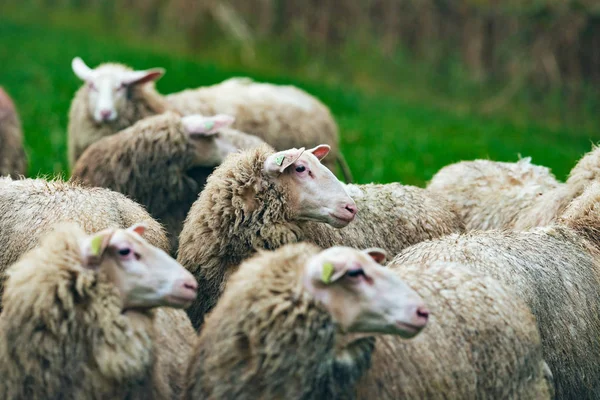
(414, 84)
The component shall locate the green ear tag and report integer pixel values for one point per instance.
(327, 272)
(279, 159)
(209, 124)
(95, 245)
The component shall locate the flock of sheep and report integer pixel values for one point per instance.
(492, 289)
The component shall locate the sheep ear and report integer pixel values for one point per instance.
(141, 77)
(82, 71)
(94, 246)
(324, 271)
(276, 163)
(198, 125)
(377, 254)
(138, 228)
(320, 151)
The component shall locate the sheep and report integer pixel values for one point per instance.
(298, 297)
(80, 319)
(556, 271)
(491, 194)
(30, 207)
(481, 342)
(549, 206)
(162, 162)
(114, 97)
(13, 160)
(258, 199)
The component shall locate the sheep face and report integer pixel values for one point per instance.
(203, 131)
(108, 87)
(363, 296)
(144, 275)
(316, 192)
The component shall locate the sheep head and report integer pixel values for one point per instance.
(144, 275)
(108, 87)
(363, 296)
(316, 192)
(210, 148)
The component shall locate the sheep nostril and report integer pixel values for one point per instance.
(423, 313)
(351, 209)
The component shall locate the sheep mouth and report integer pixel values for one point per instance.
(408, 330)
(340, 221)
(181, 300)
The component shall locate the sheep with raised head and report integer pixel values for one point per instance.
(80, 319)
(162, 162)
(556, 271)
(13, 161)
(261, 199)
(114, 97)
(491, 194)
(299, 297)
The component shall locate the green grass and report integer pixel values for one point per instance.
(385, 137)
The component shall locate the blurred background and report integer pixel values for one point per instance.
(413, 84)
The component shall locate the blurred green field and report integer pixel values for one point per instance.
(384, 137)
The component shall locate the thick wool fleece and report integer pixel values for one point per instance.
(490, 194)
(13, 161)
(242, 209)
(556, 271)
(155, 163)
(268, 338)
(30, 207)
(481, 341)
(142, 101)
(63, 333)
(283, 116)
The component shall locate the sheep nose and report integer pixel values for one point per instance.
(422, 315)
(351, 208)
(105, 114)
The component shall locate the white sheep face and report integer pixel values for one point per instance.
(363, 296)
(320, 196)
(108, 86)
(144, 275)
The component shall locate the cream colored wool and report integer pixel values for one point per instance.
(243, 209)
(13, 161)
(63, 333)
(30, 207)
(490, 194)
(156, 163)
(481, 342)
(556, 271)
(269, 338)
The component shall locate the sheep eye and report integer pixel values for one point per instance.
(355, 273)
(300, 168)
(124, 252)
(92, 86)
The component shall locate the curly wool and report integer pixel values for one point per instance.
(481, 341)
(13, 161)
(154, 163)
(242, 209)
(248, 348)
(142, 101)
(556, 271)
(490, 194)
(63, 333)
(30, 207)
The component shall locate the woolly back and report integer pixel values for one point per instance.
(30, 207)
(583, 214)
(266, 337)
(586, 170)
(239, 210)
(557, 274)
(62, 330)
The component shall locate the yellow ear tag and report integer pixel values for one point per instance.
(279, 159)
(327, 272)
(209, 125)
(95, 245)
